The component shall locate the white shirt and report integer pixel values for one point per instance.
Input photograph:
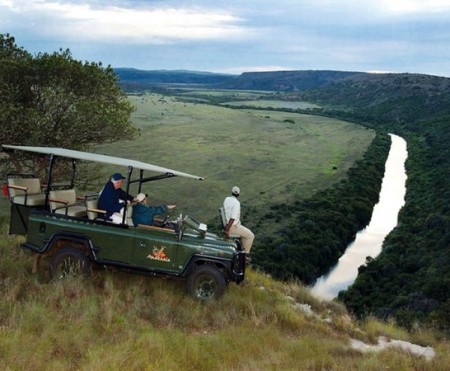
(232, 208)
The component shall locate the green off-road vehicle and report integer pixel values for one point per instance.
(72, 232)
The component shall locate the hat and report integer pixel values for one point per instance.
(117, 176)
(235, 190)
(140, 197)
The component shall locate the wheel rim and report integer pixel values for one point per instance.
(205, 287)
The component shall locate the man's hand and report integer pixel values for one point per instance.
(226, 230)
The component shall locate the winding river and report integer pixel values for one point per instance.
(369, 241)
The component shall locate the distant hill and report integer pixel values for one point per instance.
(401, 98)
(287, 81)
(134, 79)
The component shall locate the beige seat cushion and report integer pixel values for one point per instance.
(65, 202)
(92, 211)
(26, 191)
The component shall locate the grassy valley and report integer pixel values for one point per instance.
(273, 156)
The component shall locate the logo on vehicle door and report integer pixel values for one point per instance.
(159, 254)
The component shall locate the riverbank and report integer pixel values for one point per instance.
(369, 241)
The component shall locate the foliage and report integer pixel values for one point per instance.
(58, 102)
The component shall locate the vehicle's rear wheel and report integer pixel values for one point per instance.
(69, 262)
(206, 283)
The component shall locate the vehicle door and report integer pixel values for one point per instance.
(113, 244)
(156, 249)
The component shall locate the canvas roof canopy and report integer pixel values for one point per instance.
(88, 156)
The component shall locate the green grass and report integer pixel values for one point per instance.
(272, 156)
(115, 321)
(273, 104)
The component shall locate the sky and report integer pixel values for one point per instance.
(238, 36)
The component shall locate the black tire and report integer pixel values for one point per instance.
(69, 262)
(206, 282)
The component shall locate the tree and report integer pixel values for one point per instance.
(53, 100)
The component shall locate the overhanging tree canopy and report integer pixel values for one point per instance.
(54, 100)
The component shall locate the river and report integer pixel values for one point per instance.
(369, 241)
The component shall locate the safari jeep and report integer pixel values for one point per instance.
(71, 231)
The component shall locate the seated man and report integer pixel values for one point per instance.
(232, 208)
(113, 199)
(145, 214)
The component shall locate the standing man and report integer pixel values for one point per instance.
(232, 208)
(113, 199)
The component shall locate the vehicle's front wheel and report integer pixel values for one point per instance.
(69, 262)
(206, 283)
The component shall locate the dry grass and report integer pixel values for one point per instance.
(115, 321)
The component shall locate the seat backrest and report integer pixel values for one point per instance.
(62, 198)
(93, 212)
(91, 206)
(129, 215)
(223, 219)
(33, 186)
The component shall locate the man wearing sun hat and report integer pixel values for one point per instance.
(113, 198)
(145, 214)
(232, 208)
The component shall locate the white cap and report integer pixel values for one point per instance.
(235, 190)
(140, 197)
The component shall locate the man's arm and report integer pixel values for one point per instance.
(228, 226)
(124, 195)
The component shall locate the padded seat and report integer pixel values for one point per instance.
(93, 212)
(26, 191)
(65, 202)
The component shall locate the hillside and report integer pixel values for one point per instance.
(392, 99)
(286, 81)
(115, 321)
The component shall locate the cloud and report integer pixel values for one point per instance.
(142, 24)
(239, 35)
(419, 7)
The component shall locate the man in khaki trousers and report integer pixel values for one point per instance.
(232, 208)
